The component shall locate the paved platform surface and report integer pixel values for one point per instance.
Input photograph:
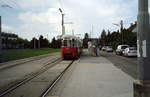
(94, 77)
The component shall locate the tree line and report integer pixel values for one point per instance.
(115, 38)
(44, 43)
(34, 43)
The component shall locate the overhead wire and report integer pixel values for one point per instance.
(10, 5)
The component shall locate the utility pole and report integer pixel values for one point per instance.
(121, 30)
(72, 32)
(47, 36)
(121, 25)
(92, 31)
(142, 85)
(34, 43)
(0, 34)
(63, 27)
(39, 45)
(0, 39)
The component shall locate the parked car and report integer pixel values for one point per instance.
(130, 51)
(104, 48)
(109, 49)
(120, 49)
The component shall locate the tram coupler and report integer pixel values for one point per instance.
(141, 88)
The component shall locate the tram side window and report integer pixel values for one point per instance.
(77, 43)
(73, 42)
(69, 43)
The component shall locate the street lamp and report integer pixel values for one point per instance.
(4, 6)
(63, 27)
(0, 34)
(121, 29)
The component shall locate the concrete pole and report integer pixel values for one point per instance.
(121, 30)
(142, 85)
(34, 43)
(63, 27)
(0, 34)
(39, 43)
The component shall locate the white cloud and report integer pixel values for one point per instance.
(49, 16)
(7, 28)
(100, 13)
(43, 23)
(33, 5)
(38, 14)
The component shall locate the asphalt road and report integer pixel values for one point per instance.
(126, 64)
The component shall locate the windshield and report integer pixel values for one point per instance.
(124, 47)
(65, 43)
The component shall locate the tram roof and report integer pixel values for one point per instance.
(70, 37)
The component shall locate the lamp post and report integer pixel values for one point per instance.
(0, 34)
(4, 6)
(63, 27)
(142, 85)
(121, 29)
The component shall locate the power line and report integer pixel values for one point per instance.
(11, 3)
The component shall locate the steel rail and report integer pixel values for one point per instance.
(55, 81)
(42, 70)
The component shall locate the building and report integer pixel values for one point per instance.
(133, 27)
(9, 40)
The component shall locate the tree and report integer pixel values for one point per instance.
(115, 38)
(34, 43)
(53, 43)
(102, 39)
(85, 40)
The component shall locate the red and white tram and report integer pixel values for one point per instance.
(71, 47)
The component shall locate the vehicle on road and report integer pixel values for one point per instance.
(109, 49)
(130, 51)
(104, 48)
(71, 47)
(120, 49)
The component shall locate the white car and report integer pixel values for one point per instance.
(109, 49)
(130, 51)
(104, 48)
(120, 49)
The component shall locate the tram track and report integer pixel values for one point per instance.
(34, 76)
(55, 81)
(12, 64)
(31, 76)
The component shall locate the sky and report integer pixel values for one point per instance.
(32, 18)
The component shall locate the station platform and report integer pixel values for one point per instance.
(93, 77)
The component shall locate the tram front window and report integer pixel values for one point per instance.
(65, 43)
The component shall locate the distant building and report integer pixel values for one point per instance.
(133, 27)
(9, 40)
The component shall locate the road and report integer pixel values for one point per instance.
(126, 64)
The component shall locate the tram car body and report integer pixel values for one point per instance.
(71, 47)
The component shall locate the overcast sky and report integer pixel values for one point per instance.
(31, 18)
